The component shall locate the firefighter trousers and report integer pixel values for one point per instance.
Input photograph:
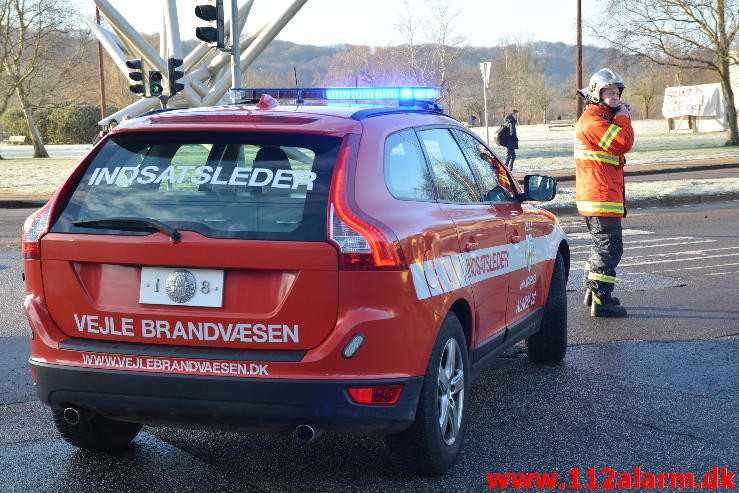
(605, 254)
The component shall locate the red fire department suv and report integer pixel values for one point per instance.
(289, 267)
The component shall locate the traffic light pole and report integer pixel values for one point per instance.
(101, 71)
(235, 46)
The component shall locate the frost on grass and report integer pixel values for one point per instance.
(542, 149)
(28, 175)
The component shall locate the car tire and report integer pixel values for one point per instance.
(433, 442)
(549, 345)
(96, 433)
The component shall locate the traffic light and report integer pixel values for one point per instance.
(173, 75)
(155, 83)
(211, 13)
(137, 75)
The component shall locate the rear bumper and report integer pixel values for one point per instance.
(223, 403)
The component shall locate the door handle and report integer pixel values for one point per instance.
(516, 238)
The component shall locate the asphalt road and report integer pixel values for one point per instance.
(658, 390)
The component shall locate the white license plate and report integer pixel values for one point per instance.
(181, 286)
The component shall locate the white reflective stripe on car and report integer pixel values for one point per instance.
(448, 273)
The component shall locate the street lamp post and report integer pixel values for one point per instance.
(485, 71)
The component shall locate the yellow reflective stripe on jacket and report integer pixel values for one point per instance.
(594, 276)
(585, 206)
(603, 157)
(608, 137)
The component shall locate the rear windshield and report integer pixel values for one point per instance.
(222, 185)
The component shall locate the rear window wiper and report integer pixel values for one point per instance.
(131, 224)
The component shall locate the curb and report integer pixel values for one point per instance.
(22, 204)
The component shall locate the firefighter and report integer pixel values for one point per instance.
(603, 135)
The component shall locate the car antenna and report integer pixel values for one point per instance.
(298, 100)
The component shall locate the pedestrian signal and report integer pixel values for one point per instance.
(155, 83)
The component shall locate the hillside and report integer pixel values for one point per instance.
(312, 62)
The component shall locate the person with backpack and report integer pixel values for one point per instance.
(510, 141)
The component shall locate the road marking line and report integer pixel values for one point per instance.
(695, 268)
(674, 260)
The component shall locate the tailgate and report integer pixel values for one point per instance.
(274, 294)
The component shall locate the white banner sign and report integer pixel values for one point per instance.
(700, 100)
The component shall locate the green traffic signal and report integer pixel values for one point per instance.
(155, 83)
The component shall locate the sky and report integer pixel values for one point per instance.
(373, 22)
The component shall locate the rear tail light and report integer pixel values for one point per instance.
(363, 243)
(386, 395)
(33, 229)
(37, 223)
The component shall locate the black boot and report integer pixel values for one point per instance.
(606, 306)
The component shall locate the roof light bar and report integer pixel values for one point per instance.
(382, 93)
(336, 93)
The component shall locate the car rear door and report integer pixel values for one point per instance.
(480, 229)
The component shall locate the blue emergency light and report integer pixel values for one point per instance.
(382, 93)
(400, 94)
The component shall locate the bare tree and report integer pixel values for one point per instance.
(680, 33)
(469, 95)
(448, 47)
(434, 60)
(36, 59)
(541, 94)
(358, 65)
(411, 49)
(512, 74)
(648, 87)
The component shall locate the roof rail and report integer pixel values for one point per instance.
(390, 110)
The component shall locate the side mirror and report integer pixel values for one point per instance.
(540, 188)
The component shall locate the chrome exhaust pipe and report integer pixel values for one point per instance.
(307, 433)
(72, 416)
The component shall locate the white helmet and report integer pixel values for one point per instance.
(600, 80)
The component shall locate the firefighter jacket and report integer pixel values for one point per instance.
(601, 140)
